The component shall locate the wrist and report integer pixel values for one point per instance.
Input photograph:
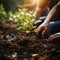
(46, 22)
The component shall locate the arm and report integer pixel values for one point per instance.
(41, 5)
(29, 6)
(43, 27)
(52, 13)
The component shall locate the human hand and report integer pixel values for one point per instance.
(41, 29)
(54, 37)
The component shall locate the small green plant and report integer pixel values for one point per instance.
(3, 14)
(24, 19)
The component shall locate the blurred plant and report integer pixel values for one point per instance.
(3, 14)
(23, 18)
(9, 5)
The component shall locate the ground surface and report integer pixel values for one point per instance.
(22, 46)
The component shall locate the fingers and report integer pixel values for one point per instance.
(38, 30)
(54, 37)
(43, 32)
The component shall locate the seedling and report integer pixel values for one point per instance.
(23, 19)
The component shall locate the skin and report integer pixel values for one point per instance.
(29, 6)
(44, 26)
(39, 6)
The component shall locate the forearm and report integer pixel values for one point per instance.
(38, 13)
(52, 14)
(29, 6)
(41, 5)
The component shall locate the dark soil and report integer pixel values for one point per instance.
(18, 45)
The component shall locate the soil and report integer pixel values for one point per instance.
(19, 45)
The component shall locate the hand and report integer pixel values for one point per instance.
(41, 29)
(54, 37)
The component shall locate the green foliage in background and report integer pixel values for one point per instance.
(9, 5)
(3, 14)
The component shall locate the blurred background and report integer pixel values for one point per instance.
(12, 4)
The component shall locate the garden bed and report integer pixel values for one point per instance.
(20, 45)
(18, 40)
